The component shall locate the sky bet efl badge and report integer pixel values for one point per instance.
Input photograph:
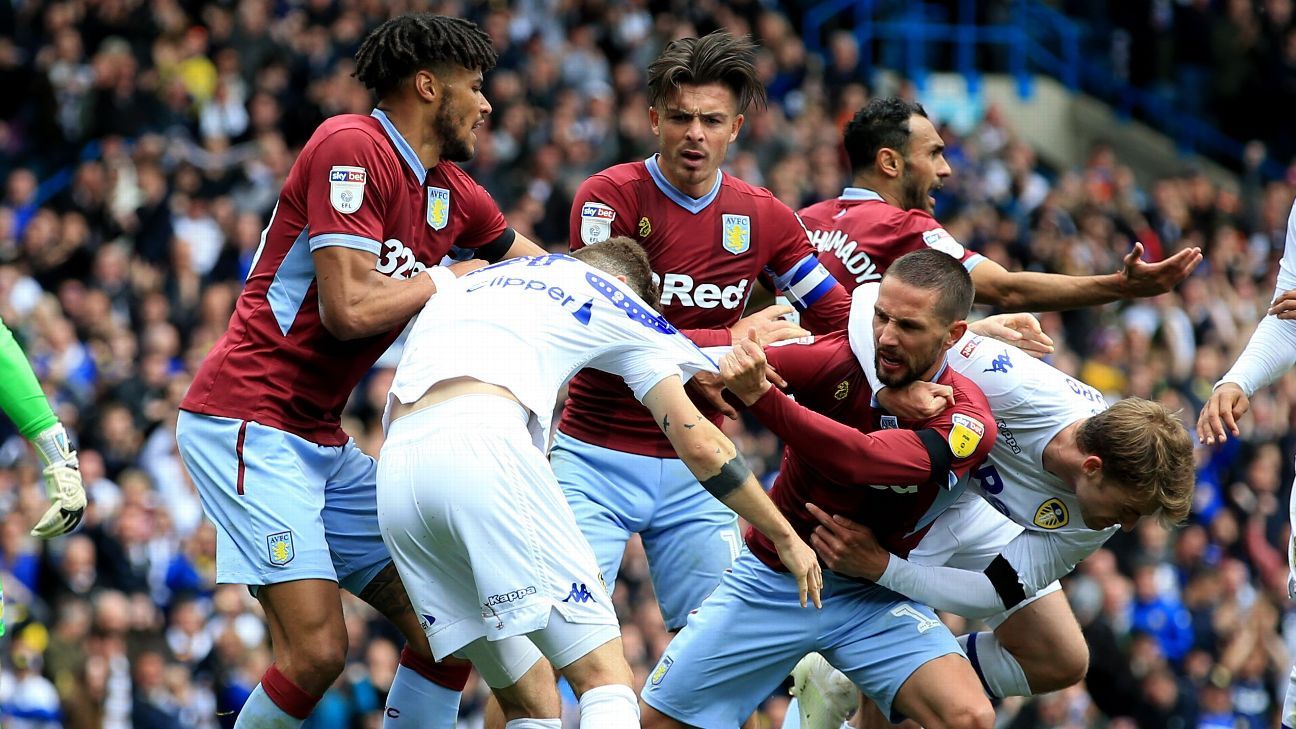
(346, 188)
(596, 222)
(965, 436)
(736, 230)
(438, 211)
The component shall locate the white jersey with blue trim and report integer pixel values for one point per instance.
(1032, 402)
(529, 325)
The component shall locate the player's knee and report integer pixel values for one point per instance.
(1067, 668)
(319, 660)
(970, 715)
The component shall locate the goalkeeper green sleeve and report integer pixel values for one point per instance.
(21, 397)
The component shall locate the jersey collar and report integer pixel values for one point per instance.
(859, 194)
(693, 205)
(402, 147)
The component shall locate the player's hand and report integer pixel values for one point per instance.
(801, 562)
(847, 547)
(1284, 307)
(463, 268)
(707, 388)
(744, 368)
(1139, 278)
(1021, 330)
(918, 400)
(62, 477)
(1221, 411)
(769, 325)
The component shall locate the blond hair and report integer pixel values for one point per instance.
(1146, 450)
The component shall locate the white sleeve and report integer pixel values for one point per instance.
(1272, 348)
(1038, 558)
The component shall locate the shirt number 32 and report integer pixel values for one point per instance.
(397, 260)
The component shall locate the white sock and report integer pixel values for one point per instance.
(415, 701)
(534, 724)
(1289, 702)
(1001, 675)
(261, 713)
(609, 707)
(792, 719)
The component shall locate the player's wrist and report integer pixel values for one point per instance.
(441, 276)
(54, 448)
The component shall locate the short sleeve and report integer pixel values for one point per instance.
(599, 211)
(348, 188)
(934, 236)
(484, 223)
(794, 266)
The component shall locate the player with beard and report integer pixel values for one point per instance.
(897, 163)
(896, 475)
(371, 205)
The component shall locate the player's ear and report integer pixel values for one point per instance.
(621, 278)
(654, 120)
(1092, 466)
(889, 162)
(425, 85)
(955, 333)
(737, 124)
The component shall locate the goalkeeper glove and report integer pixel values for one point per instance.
(62, 484)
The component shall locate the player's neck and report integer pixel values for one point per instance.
(407, 120)
(869, 182)
(1062, 457)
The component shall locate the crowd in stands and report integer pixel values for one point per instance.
(142, 146)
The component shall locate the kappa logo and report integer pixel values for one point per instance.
(843, 390)
(1052, 514)
(1001, 364)
(510, 596)
(736, 232)
(660, 671)
(438, 208)
(579, 593)
(281, 548)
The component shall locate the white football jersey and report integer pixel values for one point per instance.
(529, 325)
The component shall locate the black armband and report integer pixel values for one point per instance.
(939, 453)
(1005, 581)
(495, 250)
(732, 474)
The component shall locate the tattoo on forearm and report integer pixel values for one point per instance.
(665, 422)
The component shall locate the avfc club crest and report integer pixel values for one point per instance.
(281, 548)
(438, 209)
(660, 672)
(736, 233)
(1052, 514)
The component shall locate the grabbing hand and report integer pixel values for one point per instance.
(62, 484)
(769, 325)
(919, 400)
(743, 369)
(847, 547)
(1284, 307)
(1020, 330)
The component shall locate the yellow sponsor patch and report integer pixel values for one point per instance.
(965, 436)
(1052, 514)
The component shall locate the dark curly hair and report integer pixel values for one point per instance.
(407, 44)
(882, 122)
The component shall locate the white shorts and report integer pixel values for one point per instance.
(969, 535)
(479, 530)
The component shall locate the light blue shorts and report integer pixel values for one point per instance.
(284, 508)
(745, 639)
(689, 536)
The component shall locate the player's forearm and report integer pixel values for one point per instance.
(1032, 291)
(1270, 352)
(21, 396)
(709, 337)
(752, 503)
(377, 307)
(840, 452)
(967, 593)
